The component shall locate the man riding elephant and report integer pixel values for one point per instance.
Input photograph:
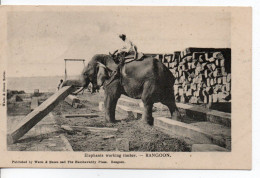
(129, 50)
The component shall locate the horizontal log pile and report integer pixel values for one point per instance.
(200, 77)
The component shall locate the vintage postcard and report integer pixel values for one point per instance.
(125, 87)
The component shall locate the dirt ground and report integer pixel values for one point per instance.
(140, 136)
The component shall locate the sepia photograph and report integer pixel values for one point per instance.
(110, 86)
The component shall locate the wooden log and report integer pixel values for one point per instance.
(180, 72)
(177, 98)
(210, 75)
(189, 92)
(204, 65)
(210, 98)
(196, 55)
(209, 90)
(200, 78)
(131, 113)
(176, 88)
(219, 71)
(193, 86)
(207, 148)
(193, 65)
(208, 82)
(224, 79)
(72, 100)
(215, 73)
(34, 103)
(217, 62)
(171, 66)
(67, 128)
(212, 82)
(206, 73)
(184, 67)
(172, 71)
(183, 100)
(213, 66)
(184, 60)
(209, 67)
(176, 82)
(222, 96)
(189, 78)
(96, 129)
(38, 114)
(201, 58)
(189, 58)
(223, 88)
(99, 129)
(200, 85)
(182, 79)
(228, 78)
(215, 98)
(218, 87)
(185, 87)
(206, 56)
(222, 62)
(192, 74)
(80, 115)
(189, 65)
(185, 74)
(194, 100)
(218, 55)
(212, 59)
(205, 99)
(228, 87)
(180, 91)
(219, 80)
(223, 71)
(197, 71)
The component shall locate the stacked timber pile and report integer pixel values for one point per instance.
(200, 77)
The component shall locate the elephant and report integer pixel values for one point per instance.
(147, 79)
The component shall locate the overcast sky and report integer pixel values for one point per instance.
(38, 42)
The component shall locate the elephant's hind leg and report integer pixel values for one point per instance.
(147, 115)
(170, 103)
(147, 98)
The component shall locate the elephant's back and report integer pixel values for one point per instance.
(150, 68)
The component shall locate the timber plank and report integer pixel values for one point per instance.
(38, 114)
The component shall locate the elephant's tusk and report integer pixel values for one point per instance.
(79, 90)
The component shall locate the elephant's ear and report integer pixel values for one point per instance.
(102, 74)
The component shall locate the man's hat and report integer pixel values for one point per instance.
(122, 36)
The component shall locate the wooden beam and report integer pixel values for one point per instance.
(72, 100)
(173, 127)
(96, 129)
(38, 114)
(80, 115)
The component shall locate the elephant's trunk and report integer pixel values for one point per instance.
(81, 84)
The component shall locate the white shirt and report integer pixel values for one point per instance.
(127, 47)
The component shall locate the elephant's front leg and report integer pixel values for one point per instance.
(112, 95)
(147, 115)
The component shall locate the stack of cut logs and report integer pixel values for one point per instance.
(200, 77)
